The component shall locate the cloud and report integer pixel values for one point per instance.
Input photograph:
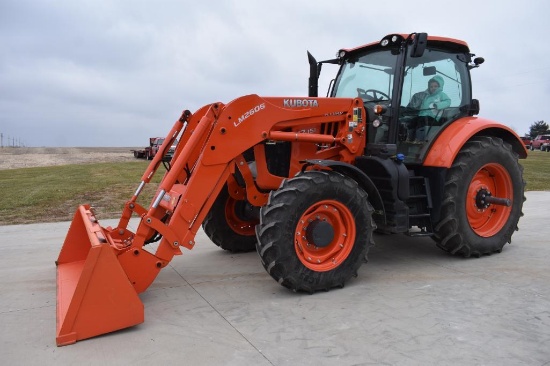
(113, 73)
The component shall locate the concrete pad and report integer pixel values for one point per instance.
(412, 304)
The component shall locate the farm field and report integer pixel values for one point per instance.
(47, 184)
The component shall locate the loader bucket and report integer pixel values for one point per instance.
(94, 294)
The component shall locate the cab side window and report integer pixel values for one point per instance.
(441, 66)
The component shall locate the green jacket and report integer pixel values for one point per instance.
(431, 104)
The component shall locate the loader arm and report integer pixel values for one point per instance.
(209, 154)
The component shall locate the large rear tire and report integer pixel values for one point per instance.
(230, 225)
(315, 231)
(469, 225)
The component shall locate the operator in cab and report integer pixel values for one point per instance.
(429, 103)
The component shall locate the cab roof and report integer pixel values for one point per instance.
(457, 43)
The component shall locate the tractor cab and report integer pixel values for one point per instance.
(412, 86)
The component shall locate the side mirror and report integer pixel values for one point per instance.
(478, 61)
(420, 42)
(474, 107)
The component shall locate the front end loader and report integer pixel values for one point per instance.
(306, 181)
(101, 270)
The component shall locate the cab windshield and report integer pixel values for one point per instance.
(369, 77)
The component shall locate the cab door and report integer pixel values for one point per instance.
(422, 114)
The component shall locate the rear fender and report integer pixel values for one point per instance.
(447, 145)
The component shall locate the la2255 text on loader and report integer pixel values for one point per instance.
(305, 181)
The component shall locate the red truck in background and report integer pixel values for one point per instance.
(154, 146)
(541, 142)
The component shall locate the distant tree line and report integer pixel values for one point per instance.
(538, 128)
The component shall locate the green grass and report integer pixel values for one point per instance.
(536, 170)
(51, 194)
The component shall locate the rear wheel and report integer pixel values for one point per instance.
(315, 231)
(476, 219)
(230, 224)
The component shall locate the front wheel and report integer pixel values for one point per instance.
(230, 223)
(483, 199)
(315, 231)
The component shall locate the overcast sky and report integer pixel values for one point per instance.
(114, 72)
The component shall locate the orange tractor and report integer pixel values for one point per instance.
(306, 181)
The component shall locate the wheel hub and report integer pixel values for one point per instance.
(241, 217)
(484, 199)
(481, 199)
(491, 194)
(320, 233)
(325, 235)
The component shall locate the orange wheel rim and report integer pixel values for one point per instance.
(325, 235)
(238, 224)
(488, 220)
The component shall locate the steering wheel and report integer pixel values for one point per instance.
(374, 94)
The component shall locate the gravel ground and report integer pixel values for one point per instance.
(26, 157)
